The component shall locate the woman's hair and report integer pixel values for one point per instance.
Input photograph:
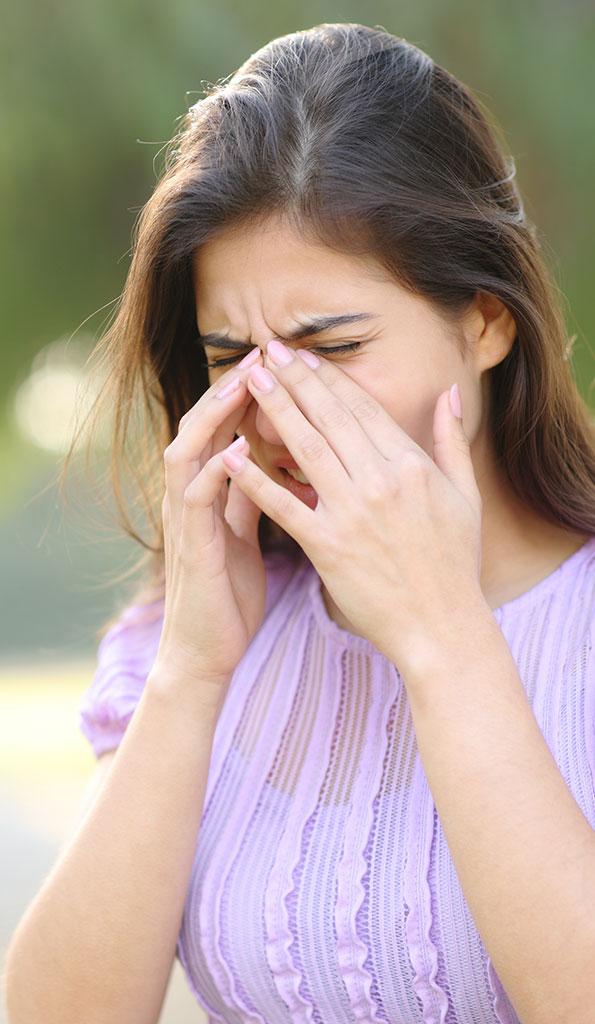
(367, 145)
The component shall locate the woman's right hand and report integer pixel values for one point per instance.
(214, 574)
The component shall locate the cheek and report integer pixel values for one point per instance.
(247, 426)
(214, 376)
(410, 404)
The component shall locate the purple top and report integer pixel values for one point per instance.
(322, 888)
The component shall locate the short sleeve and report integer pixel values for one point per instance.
(125, 657)
(127, 653)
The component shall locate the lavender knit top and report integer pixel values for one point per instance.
(322, 888)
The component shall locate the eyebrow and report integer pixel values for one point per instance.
(315, 326)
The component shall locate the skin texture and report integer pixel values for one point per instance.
(412, 494)
(434, 540)
(257, 283)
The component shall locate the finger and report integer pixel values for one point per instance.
(193, 445)
(452, 453)
(382, 430)
(291, 514)
(199, 521)
(222, 384)
(307, 445)
(241, 514)
(324, 408)
(226, 389)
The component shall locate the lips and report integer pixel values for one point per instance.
(305, 492)
(286, 463)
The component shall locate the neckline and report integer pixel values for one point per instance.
(536, 592)
(552, 579)
(327, 625)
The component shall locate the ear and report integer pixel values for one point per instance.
(490, 330)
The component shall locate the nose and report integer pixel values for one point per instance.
(266, 429)
(260, 334)
(262, 423)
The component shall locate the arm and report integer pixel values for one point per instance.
(98, 942)
(523, 850)
(411, 526)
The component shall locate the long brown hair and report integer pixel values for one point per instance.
(369, 146)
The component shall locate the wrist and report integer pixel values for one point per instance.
(446, 645)
(186, 688)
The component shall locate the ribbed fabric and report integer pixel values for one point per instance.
(322, 888)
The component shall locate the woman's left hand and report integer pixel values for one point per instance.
(395, 536)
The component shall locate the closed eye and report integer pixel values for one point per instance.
(324, 350)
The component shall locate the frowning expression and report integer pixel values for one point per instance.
(257, 283)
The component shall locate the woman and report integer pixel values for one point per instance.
(345, 735)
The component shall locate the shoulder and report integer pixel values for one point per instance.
(128, 649)
(577, 579)
(570, 620)
(125, 657)
(553, 623)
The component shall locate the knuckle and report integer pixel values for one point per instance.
(415, 466)
(334, 416)
(365, 409)
(311, 447)
(377, 486)
(170, 456)
(257, 486)
(191, 499)
(281, 507)
(183, 420)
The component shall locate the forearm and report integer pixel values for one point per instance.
(98, 942)
(523, 850)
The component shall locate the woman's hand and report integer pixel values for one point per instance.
(395, 536)
(215, 580)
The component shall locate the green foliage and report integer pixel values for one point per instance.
(92, 91)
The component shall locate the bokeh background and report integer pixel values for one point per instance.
(91, 92)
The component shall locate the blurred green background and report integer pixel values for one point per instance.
(90, 94)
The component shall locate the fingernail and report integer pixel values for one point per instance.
(454, 397)
(229, 388)
(238, 443)
(309, 358)
(262, 379)
(232, 461)
(278, 354)
(252, 357)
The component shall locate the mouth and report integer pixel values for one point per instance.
(297, 475)
(296, 483)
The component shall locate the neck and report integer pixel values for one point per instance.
(519, 547)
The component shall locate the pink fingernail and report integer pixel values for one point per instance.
(455, 401)
(229, 388)
(279, 354)
(252, 357)
(232, 461)
(238, 443)
(262, 379)
(309, 358)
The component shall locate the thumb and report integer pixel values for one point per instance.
(452, 453)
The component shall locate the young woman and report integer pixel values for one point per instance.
(346, 733)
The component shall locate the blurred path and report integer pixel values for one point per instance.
(45, 764)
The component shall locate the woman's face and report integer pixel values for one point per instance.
(253, 284)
